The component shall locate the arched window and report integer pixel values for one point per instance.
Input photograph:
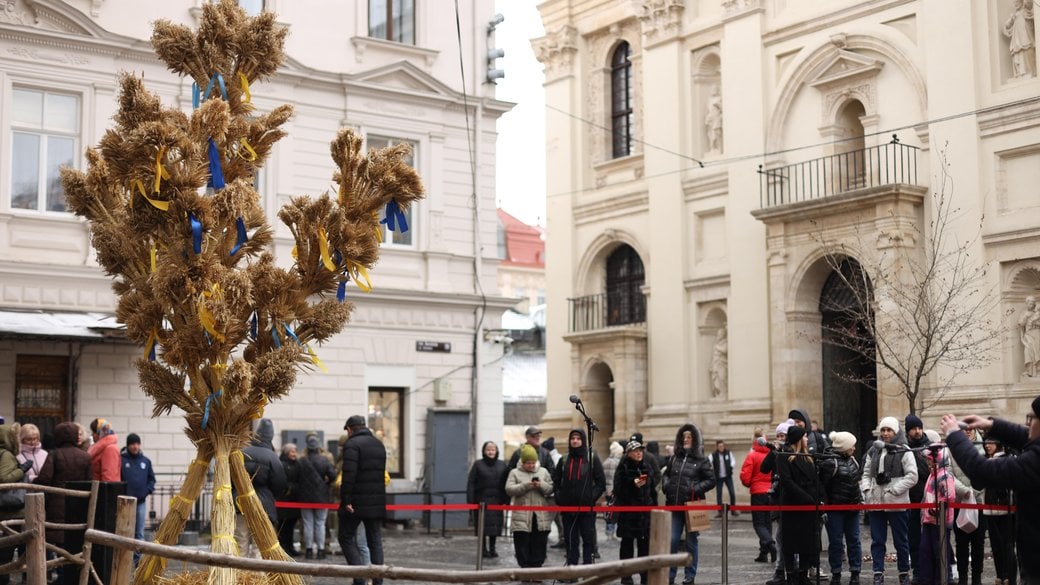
(621, 100)
(625, 277)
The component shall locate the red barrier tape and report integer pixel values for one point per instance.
(710, 508)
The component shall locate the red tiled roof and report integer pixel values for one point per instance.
(524, 243)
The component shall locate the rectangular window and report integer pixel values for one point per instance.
(41, 391)
(386, 420)
(396, 237)
(44, 138)
(392, 20)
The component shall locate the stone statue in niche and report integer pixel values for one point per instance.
(720, 363)
(1030, 336)
(1019, 30)
(713, 121)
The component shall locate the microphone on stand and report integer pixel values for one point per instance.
(761, 441)
(575, 399)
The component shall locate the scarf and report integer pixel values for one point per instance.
(939, 488)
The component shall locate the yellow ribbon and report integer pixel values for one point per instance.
(245, 86)
(323, 245)
(182, 498)
(317, 362)
(295, 254)
(359, 272)
(249, 149)
(156, 203)
(160, 170)
(205, 317)
(220, 490)
(152, 254)
(152, 338)
(258, 412)
(379, 227)
(268, 551)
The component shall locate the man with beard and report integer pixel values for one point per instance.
(915, 439)
(689, 477)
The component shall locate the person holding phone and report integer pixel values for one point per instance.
(634, 485)
(529, 485)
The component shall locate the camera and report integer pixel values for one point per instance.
(882, 478)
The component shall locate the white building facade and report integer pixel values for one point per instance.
(413, 341)
(664, 238)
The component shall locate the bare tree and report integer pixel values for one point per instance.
(915, 303)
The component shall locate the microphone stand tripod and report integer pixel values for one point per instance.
(590, 428)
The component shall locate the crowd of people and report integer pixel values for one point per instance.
(982, 460)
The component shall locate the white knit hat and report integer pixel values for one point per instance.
(842, 441)
(933, 437)
(889, 422)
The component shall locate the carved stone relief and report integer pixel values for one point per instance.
(733, 7)
(556, 51)
(1019, 32)
(661, 18)
(9, 13)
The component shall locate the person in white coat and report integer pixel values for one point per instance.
(889, 471)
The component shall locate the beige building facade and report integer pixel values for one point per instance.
(704, 157)
(412, 342)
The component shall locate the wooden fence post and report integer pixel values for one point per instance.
(660, 543)
(126, 522)
(36, 548)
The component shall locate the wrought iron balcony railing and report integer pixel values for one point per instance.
(822, 177)
(609, 309)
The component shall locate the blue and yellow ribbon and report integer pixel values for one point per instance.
(358, 272)
(244, 81)
(160, 171)
(209, 399)
(249, 151)
(242, 237)
(149, 346)
(216, 171)
(156, 203)
(196, 233)
(323, 246)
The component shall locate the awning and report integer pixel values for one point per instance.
(58, 325)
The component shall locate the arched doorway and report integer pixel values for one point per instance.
(625, 277)
(849, 377)
(597, 393)
(851, 160)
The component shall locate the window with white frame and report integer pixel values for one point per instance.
(45, 130)
(252, 7)
(396, 237)
(392, 20)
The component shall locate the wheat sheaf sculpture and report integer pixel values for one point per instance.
(177, 223)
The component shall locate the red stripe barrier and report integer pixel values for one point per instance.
(710, 508)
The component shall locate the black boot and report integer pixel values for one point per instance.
(778, 578)
(772, 552)
(763, 556)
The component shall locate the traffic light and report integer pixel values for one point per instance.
(493, 73)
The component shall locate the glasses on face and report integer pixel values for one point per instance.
(1029, 418)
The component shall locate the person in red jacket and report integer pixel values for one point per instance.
(759, 482)
(105, 462)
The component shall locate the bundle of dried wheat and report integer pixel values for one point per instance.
(176, 221)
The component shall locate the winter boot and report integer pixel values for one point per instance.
(763, 555)
(854, 578)
(976, 578)
(879, 579)
(778, 578)
(836, 578)
(904, 579)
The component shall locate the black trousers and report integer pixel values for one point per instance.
(1000, 537)
(762, 523)
(348, 525)
(642, 548)
(579, 528)
(973, 545)
(913, 530)
(529, 548)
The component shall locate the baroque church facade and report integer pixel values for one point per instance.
(707, 158)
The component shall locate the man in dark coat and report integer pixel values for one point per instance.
(65, 463)
(262, 464)
(817, 441)
(316, 473)
(915, 439)
(362, 494)
(140, 481)
(688, 478)
(1021, 474)
(533, 435)
(579, 481)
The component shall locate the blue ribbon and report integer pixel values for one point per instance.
(242, 236)
(151, 352)
(394, 215)
(274, 334)
(292, 334)
(341, 292)
(253, 326)
(196, 233)
(209, 399)
(195, 96)
(216, 172)
(220, 81)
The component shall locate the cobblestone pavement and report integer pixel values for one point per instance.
(458, 551)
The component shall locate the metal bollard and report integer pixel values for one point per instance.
(480, 535)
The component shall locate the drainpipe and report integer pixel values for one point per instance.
(478, 312)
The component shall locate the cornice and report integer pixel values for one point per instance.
(621, 203)
(115, 46)
(1008, 117)
(608, 334)
(807, 26)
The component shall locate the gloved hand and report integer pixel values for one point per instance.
(27, 465)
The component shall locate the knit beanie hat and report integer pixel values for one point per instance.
(527, 453)
(912, 422)
(794, 435)
(133, 439)
(102, 427)
(781, 429)
(616, 449)
(265, 430)
(842, 441)
(312, 441)
(933, 436)
(889, 422)
(549, 444)
(1036, 405)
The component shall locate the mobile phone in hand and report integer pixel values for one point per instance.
(642, 477)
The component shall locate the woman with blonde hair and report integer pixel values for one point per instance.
(799, 486)
(29, 449)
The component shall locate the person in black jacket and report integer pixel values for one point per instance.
(362, 494)
(1020, 474)
(799, 486)
(268, 475)
(840, 475)
(688, 478)
(634, 485)
(486, 484)
(579, 481)
(999, 520)
(915, 439)
(288, 518)
(533, 435)
(312, 487)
